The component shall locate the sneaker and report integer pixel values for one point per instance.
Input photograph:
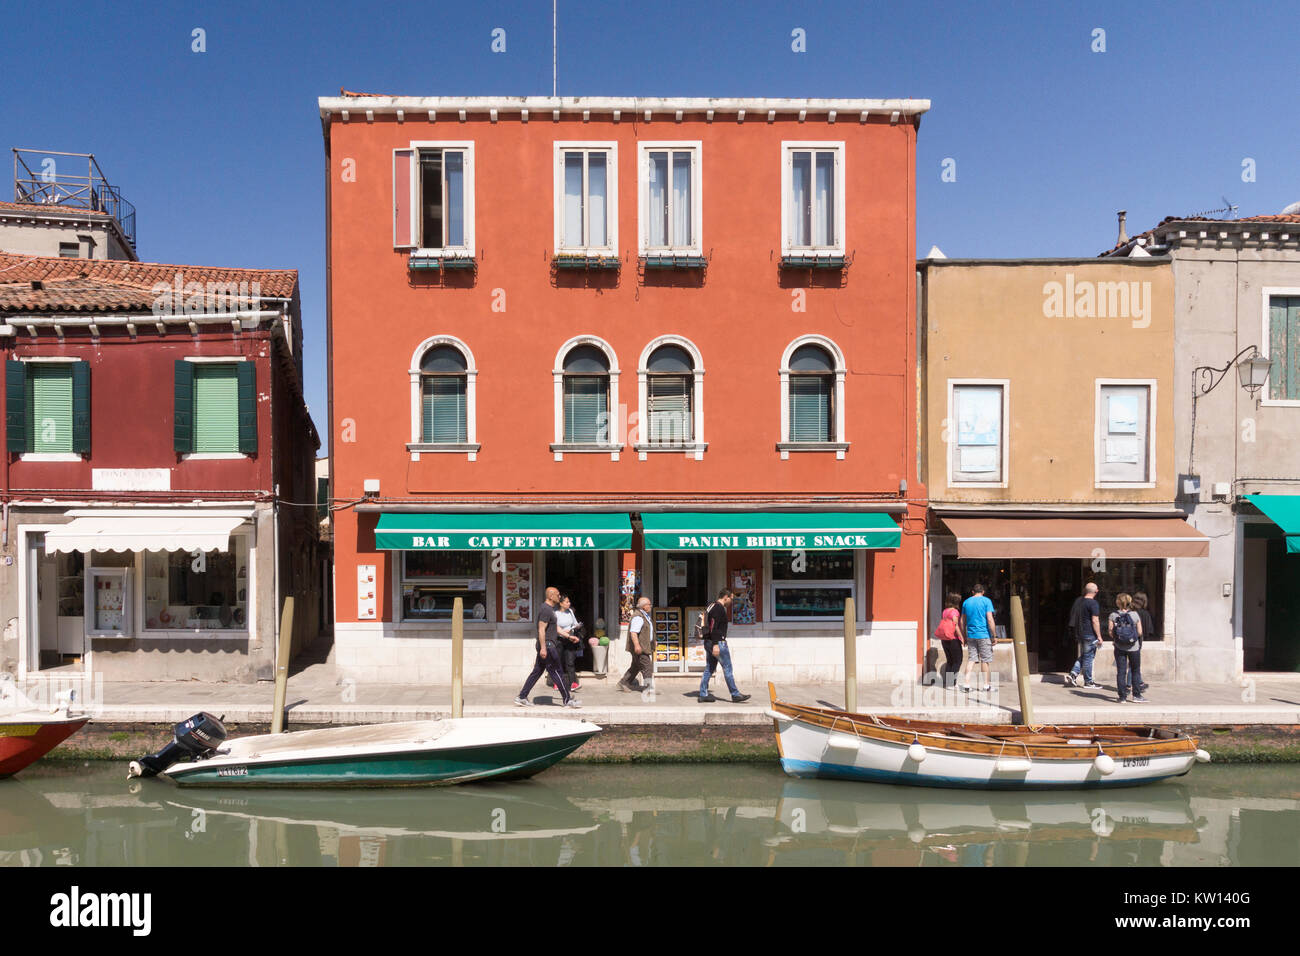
(1123, 700)
(625, 688)
(574, 686)
(523, 702)
(1094, 685)
(739, 698)
(573, 702)
(1143, 689)
(1139, 699)
(1070, 680)
(707, 699)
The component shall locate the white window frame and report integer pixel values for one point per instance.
(214, 455)
(611, 181)
(1099, 415)
(696, 148)
(1268, 292)
(839, 443)
(48, 456)
(694, 448)
(447, 252)
(616, 439)
(417, 446)
(1003, 435)
(788, 148)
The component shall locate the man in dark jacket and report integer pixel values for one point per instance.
(716, 650)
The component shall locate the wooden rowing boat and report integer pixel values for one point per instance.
(834, 744)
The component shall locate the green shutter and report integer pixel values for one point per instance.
(669, 400)
(1284, 348)
(246, 372)
(81, 407)
(49, 397)
(216, 409)
(16, 406)
(586, 408)
(810, 408)
(183, 407)
(443, 409)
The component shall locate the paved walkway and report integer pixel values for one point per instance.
(318, 695)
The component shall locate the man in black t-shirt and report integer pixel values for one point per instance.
(716, 651)
(548, 653)
(1085, 622)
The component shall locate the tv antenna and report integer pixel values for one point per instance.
(554, 31)
(1228, 209)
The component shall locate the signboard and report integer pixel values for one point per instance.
(367, 591)
(131, 479)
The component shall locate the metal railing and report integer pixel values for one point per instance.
(53, 184)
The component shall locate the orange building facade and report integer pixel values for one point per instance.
(624, 347)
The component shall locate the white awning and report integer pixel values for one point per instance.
(154, 532)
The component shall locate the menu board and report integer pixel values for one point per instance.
(518, 591)
(668, 638)
(367, 603)
(109, 603)
(695, 659)
(742, 607)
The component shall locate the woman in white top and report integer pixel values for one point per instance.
(570, 644)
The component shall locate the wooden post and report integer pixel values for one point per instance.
(282, 666)
(850, 657)
(1022, 659)
(458, 658)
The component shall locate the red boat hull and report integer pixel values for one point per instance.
(25, 743)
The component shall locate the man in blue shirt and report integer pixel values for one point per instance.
(977, 624)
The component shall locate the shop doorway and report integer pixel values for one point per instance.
(1270, 601)
(580, 575)
(56, 608)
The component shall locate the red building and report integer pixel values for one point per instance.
(157, 447)
(617, 346)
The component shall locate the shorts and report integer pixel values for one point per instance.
(980, 650)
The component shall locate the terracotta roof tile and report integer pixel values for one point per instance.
(1150, 233)
(36, 208)
(116, 285)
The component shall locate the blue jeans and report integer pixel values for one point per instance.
(1087, 651)
(1126, 661)
(724, 656)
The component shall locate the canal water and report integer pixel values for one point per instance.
(61, 813)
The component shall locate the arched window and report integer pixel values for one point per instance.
(586, 396)
(442, 398)
(812, 397)
(670, 382)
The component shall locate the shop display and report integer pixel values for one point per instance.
(518, 591)
(669, 638)
(742, 607)
(694, 645)
(629, 587)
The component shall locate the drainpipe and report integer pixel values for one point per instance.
(275, 565)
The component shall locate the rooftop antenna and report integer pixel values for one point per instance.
(1231, 207)
(554, 31)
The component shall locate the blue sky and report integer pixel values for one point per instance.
(221, 151)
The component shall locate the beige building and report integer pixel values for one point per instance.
(1047, 409)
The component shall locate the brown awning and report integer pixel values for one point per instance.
(1057, 537)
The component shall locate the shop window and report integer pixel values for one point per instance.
(976, 433)
(670, 187)
(206, 591)
(813, 206)
(586, 198)
(811, 585)
(443, 394)
(586, 396)
(1283, 348)
(48, 407)
(432, 580)
(1123, 450)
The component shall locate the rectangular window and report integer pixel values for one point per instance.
(1284, 348)
(208, 592)
(977, 450)
(49, 397)
(811, 585)
(432, 580)
(69, 250)
(669, 400)
(670, 205)
(811, 414)
(585, 192)
(814, 198)
(443, 409)
(1123, 433)
(586, 408)
(216, 408)
(442, 199)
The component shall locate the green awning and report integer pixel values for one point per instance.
(1283, 511)
(487, 532)
(769, 530)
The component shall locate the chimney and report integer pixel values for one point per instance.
(1123, 236)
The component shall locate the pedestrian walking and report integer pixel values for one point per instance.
(641, 645)
(716, 651)
(1125, 629)
(548, 653)
(1140, 604)
(978, 625)
(951, 638)
(1085, 624)
(567, 628)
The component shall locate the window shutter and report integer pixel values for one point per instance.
(810, 408)
(183, 408)
(16, 406)
(246, 373)
(669, 398)
(49, 416)
(403, 213)
(81, 407)
(443, 418)
(586, 405)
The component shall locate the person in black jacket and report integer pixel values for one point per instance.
(716, 650)
(1148, 626)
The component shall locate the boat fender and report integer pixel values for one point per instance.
(916, 752)
(1012, 765)
(1105, 764)
(1202, 756)
(846, 742)
(775, 716)
(916, 834)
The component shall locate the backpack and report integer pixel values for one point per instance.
(1126, 632)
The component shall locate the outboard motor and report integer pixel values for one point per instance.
(194, 739)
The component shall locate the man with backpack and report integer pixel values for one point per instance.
(713, 629)
(1126, 632)
(1085, 624)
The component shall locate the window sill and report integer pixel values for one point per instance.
(785, 447)
(694, 449)
(441, 259)
(469, 449)
(50, 456)
(669, 259)
(214, 456)
(1103, 485)
(829, 259)
(560, 449)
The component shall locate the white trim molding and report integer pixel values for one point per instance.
(787, 148)
(694, 448)
(1267, 293)
(696, 148)
(1099, 414)
(471, 446)
(614, 445)
(1004, 436)
(840, 442)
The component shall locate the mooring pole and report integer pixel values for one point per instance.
(1022, 659)
(850, 657)
(282, 666)
(458, 658)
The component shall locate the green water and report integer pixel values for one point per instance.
(72, 813)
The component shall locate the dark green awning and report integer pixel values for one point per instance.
(769, 530)
(1283, 511)
(424, 531)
